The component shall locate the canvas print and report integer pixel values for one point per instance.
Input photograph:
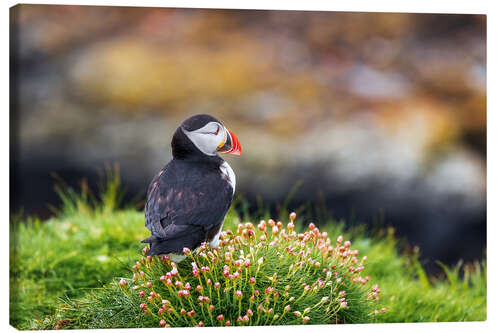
(179, 167)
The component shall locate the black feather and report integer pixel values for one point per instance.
(186, 204)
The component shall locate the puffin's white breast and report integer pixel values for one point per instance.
(228, 174)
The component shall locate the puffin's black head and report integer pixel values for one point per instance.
(203, 135)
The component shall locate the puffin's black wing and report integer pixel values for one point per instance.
(186, 204)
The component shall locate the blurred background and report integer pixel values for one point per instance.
(380, 118)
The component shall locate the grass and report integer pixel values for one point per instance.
(62, 269)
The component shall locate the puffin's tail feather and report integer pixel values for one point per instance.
(149, 239)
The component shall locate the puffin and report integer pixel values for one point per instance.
(188, 199)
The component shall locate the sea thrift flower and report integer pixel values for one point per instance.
(149, 284)
(142, 294)
(220, 317)
(239, 294)
(163, 322)
(383, 310)
(228, 323)
(249, 312)
(306, 319)
(142, 306)
(183, 311)
(311, 226)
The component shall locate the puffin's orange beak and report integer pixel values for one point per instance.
(231, 146)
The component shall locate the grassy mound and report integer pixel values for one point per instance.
(65, 273)
(268, 275)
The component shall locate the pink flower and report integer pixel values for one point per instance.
(228, 323)
(251, 280)
(306, 319)
(142, 294)
(239, 294)
(246, 318)
(142, 306)
(290, 226)
(383, 310)
(249, 312)
(201, 324)
(220, 317)
(292, 216)
(163, 322)
(186, 250)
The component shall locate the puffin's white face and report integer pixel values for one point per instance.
(208, 138)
